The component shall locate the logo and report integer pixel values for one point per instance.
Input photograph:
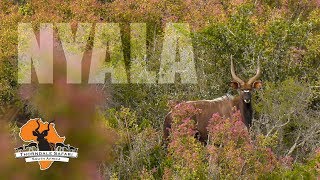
(45, 145)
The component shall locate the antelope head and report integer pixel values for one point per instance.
(245, 88)
(43, 134)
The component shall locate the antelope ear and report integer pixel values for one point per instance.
(257, 85)
(234, 85)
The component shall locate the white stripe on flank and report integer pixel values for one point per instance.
(222, 98)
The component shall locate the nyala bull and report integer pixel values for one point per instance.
(224, 105)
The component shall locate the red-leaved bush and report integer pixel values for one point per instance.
(230, 153)
(186, 155)
(233, 154)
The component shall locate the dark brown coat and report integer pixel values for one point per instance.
(224, 105)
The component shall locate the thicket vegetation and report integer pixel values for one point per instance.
(284, 35)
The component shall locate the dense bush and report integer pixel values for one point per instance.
(284, 110)
(186, 155)
(231, 151)
(138, 148)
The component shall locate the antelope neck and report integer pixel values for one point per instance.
(246, 112)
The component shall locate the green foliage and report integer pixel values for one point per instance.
(283, 99)
(308, 170)
(7, 83)
(26, 9)
(138, 151)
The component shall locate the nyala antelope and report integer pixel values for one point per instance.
(223, 105)
(43, 144)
